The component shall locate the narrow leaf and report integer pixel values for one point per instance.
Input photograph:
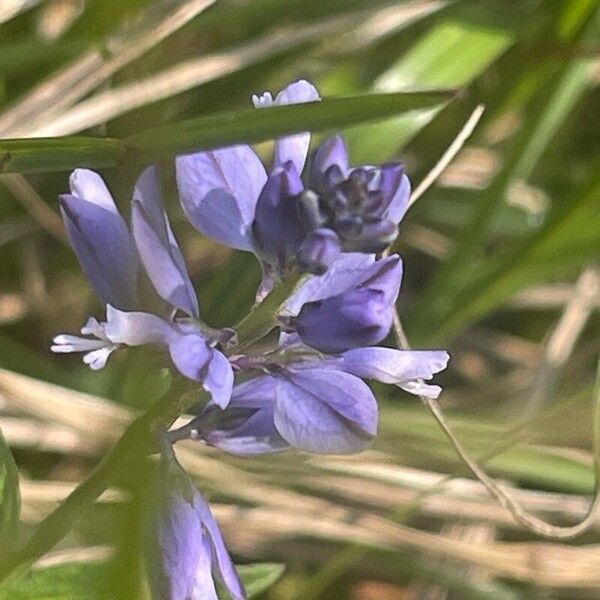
(207, 132)
(259, 577)
(67, 581)
(10, 501)
(39, 155)
(253, 125)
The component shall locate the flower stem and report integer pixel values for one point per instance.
(502, 495)
(137, 440)
(263, 316)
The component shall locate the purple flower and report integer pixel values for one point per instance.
(101, 239)
(317, 404)
(311, 393)
(278, 229)
(111, 258)
(220, 189)
(228, 195)
(362, 205)
(320, 249)
(350, 306)
(186, 551)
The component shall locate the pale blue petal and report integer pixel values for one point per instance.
(191, 355)
(204, 585)
(177, 550)
(136, 328)
(218, 380)
(158, 247)
(331, 152)
(246, 426)
(399, 202)
(101, 239)
(389, 365)
(325, 411)
(222, 566)
(345, 273)
(294, 147)
(420, 388)
(219, 190)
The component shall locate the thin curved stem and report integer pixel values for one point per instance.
(502, 496)
(453, 149)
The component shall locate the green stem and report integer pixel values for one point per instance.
(137, 440)
(263, 317)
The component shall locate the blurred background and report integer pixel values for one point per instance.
(502, 267)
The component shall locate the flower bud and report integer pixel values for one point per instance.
(362, 205)
(318, 251)
(351, 320)
(185, 550)
(278, 228)
(360, 315)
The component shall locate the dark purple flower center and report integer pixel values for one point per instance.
(354, 207)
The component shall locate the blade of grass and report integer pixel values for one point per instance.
(92, 69)
(446, 293)
(452, 54)
(207, 132)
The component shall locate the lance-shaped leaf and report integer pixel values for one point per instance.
(10, 501)
(210, 131)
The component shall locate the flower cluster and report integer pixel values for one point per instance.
(229, 196)
(327, 220)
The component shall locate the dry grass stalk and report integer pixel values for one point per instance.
(91, 70)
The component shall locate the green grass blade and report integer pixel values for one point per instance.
(41, 155)
(10, 500)
(207, 132)
(452, 54)
(253, 125)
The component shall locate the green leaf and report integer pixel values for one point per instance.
(68, 581)
(452, 54)
(207, 132)
(260, 576)
(253, 125)
(90, 581)
(263, 317)
(10, 500)
(39, 155)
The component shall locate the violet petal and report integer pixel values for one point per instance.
(223, 568)
(346, 272)
(331, 152)
(389, 365)
(101, 239)
(219, 190)
(398, 204)
(278, 230)
(218, 380)
(158, 247)
(325, 411)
